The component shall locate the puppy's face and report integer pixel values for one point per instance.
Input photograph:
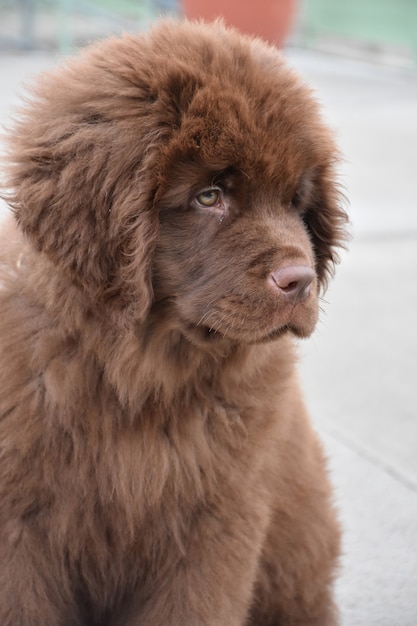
(234, 260)
(248, 213)
(185, 174)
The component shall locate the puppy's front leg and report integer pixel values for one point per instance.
(212, 582)
(32, 589)
(300, 555)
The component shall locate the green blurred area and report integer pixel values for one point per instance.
(64, 24)
(369, 21)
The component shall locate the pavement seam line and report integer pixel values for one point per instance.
(369, 456)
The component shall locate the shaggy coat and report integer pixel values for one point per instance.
(176, 216)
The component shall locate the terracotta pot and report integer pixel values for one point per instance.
(270, 19)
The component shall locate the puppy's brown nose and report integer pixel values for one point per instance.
(294, 282)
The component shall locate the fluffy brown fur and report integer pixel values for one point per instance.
(157, 464)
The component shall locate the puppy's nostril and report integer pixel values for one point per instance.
(293, 285)
(294, 282)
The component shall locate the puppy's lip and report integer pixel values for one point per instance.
(206, 336)
(276, 333)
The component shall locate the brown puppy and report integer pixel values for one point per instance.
(176, 219)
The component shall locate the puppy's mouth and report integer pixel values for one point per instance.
(211, 334)
(206, 335)
(298, 320)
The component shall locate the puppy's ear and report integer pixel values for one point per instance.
(327, 222)
(81, 162)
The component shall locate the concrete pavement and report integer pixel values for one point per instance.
(360, 368)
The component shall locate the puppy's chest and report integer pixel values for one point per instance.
(150, 479)
(136, 501)
(179, 452)
(172, 460)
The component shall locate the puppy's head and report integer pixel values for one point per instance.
(185, 172)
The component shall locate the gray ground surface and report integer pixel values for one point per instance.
(360, 368)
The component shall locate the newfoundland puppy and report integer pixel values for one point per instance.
(175, 220)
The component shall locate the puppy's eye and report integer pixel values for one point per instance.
(209, 197)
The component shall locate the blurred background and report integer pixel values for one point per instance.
(359, 370)
(379, 28)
